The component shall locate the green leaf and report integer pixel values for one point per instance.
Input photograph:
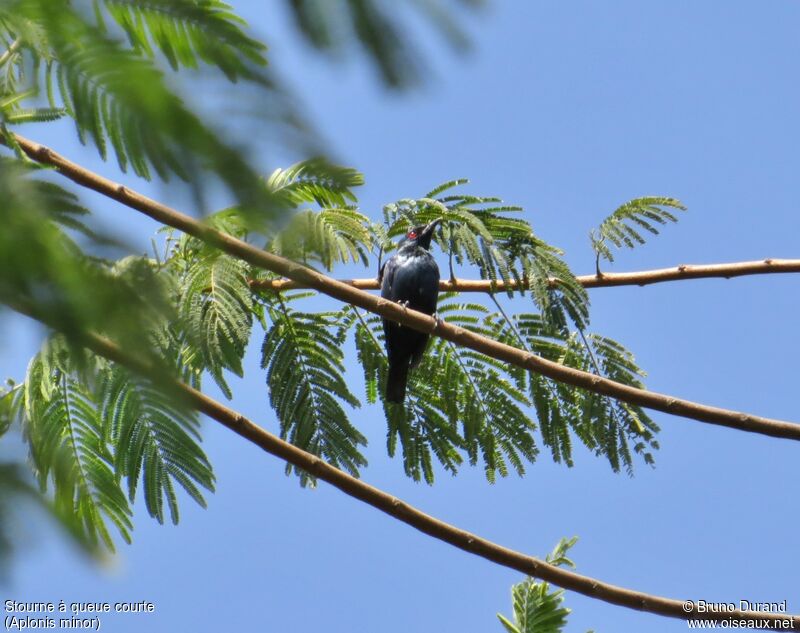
(98, 80)
(329, 236)
(8, 397)
(217, 309)
(424, 425)
(90, 425)
(53, 277)
(315, 180)
(63, 424)
(625, 225)
(458, 401)
(156, 442)
(16, 492)
(304, 361)
(536, 608)
(188, 33)
(485, 399)
(602, 424)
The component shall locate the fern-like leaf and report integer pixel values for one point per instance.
(12, 110)
(425, 426)
(304, 361)
(457, 400)
(603, 425)
(156, 443)
(315, 180)
(624, 227)
(537, 609)
(53, 277)
(17, 495)
(217, 308)
(9, 400)
(97, 80)
(488, 402)
(64, 429)
(188, 32)
(329, 236)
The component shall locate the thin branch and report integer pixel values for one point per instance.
(487, 416)
(410, 318)
(523, 343)
(15, 46)
(597, 372)
(405, 512)
(511, 324)
(369, 331)
(604, 280)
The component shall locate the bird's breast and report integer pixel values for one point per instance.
(415, 280)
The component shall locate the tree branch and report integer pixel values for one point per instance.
(399, 314)
(604, 280)
(405, 512)
(15, 46)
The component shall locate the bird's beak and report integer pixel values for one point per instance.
(431, 227)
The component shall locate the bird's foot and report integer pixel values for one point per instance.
(403, 303)
(437, 321)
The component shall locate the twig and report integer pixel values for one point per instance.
(15, 45)
(605, 280)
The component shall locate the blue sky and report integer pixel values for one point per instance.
(568, 109)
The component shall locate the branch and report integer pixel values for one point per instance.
(604, 280)
(399, 314)
(404, 512)
(15, 46)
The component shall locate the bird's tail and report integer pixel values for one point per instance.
(396, 382)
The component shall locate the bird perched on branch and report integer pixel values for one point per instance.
(409, 277)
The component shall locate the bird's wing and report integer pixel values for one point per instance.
(386, 276)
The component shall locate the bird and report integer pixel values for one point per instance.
(411, 278)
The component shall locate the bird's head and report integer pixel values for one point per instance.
(421, 235)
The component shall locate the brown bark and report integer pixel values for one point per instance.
(604, 280)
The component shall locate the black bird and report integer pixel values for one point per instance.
(410, 277)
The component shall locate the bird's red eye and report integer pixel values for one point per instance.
(411, 234)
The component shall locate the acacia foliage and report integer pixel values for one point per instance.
(537, 607)
(101, 64)
(625, 225)
(98, 436)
